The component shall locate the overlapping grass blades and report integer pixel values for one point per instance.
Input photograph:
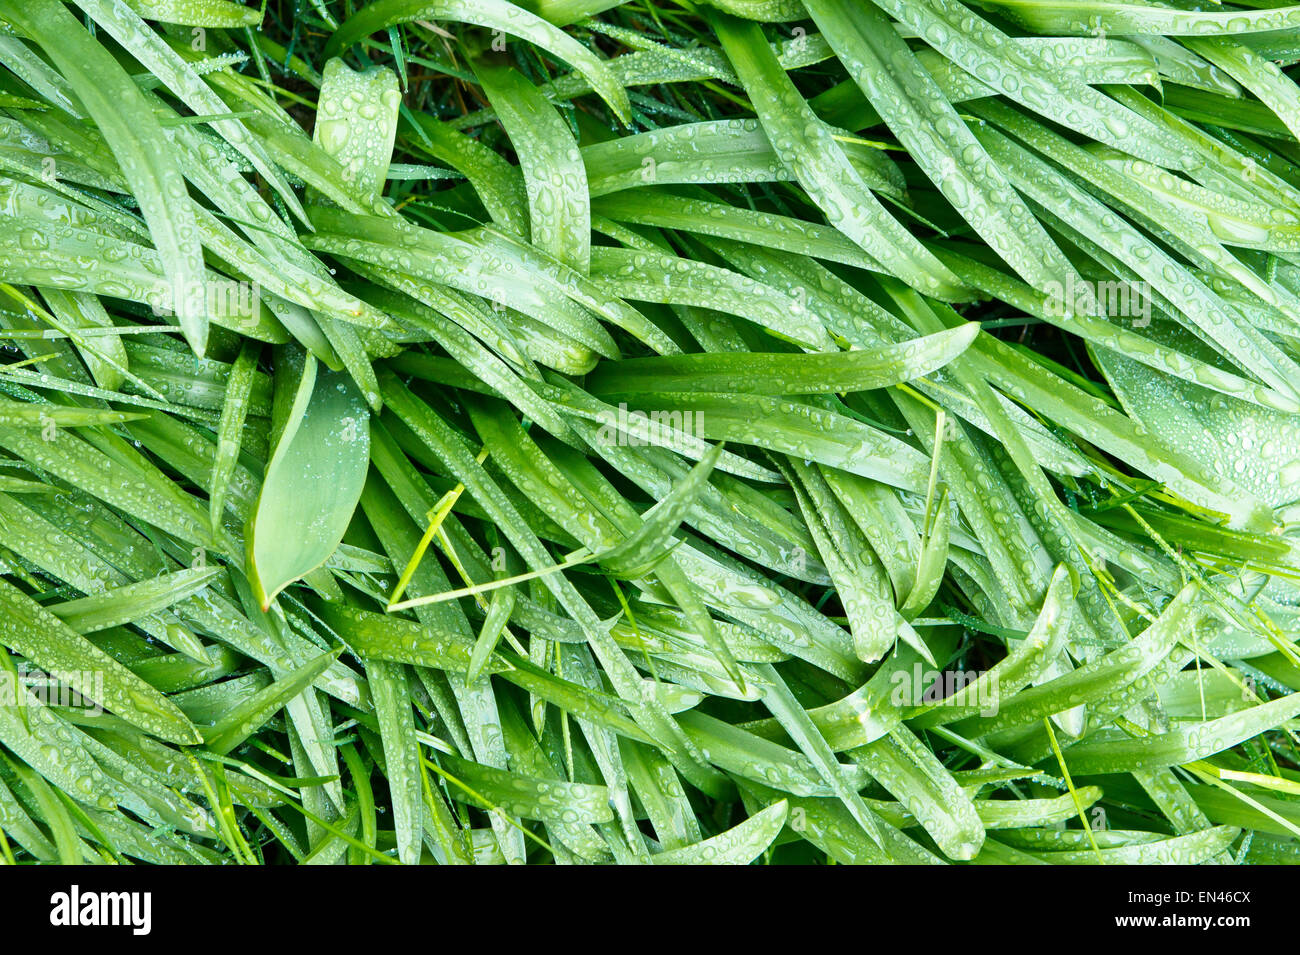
(596, 432)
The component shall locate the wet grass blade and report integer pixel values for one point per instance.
(128, 125)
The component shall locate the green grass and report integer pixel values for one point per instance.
(464, 432)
